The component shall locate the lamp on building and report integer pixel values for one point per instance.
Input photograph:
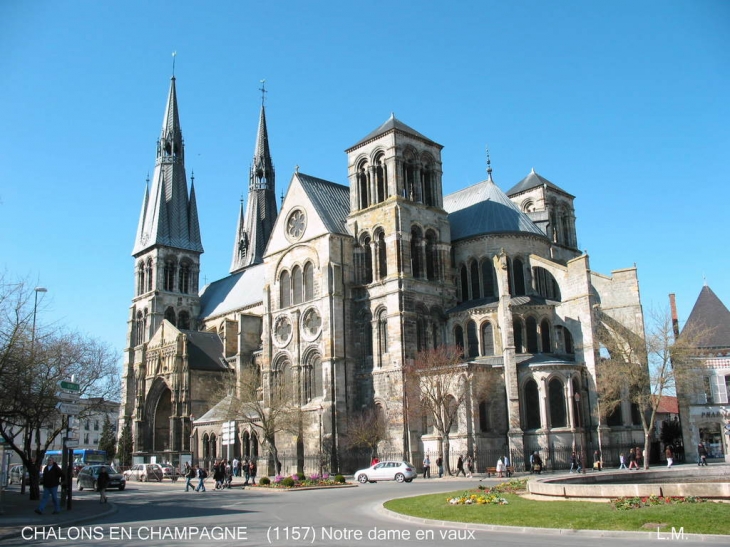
(35, 311)
(576, 396)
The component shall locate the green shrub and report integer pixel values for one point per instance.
(340, 479)
(300, 476)
(288, 482)
(264, 481)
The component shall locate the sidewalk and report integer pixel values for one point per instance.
(18, 512)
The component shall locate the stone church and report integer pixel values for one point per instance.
(344, 284)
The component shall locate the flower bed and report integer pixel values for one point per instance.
(489, 496)
(636, 502)
(302, 481)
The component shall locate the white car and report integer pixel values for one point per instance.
(399, 471)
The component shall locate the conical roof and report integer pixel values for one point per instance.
(485, 209)
(710, 320)
(533, 180)
(391, 124)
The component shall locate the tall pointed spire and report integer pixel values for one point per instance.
(168, 217)
(255, 227)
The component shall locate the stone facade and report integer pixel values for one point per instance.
(356, 280)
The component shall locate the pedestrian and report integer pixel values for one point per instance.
(575, 463)
(669, 453)
(374, 461)
(632, 460)
(52, 476)
(537, 463)
(460, 466)
(252, 470)
(219, 474)
(190, 474)
(234, 465)
(426, 467)
(500, 468)
(469, 466)
(701, 454)
(622, 461)
(639, 457)
(102, 481)
(440, 466)
(202, 475)
(506, 466)
(246, 471)
(597, 460)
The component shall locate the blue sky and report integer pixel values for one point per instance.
(624, 104)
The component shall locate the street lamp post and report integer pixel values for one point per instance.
(320, 411)
(580, 426)
(35, 311)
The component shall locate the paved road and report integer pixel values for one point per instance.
(152, 514)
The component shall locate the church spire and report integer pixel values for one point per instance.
(255, 226)
(168, 216)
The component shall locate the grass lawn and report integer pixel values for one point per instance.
(695, 518)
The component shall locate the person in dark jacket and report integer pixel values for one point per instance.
(102, 482)
(52, 476)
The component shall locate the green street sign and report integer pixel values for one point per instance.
(69, 386)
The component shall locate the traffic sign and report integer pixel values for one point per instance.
(67, 396)
(69, 386)
(68, 408)
(72, 443)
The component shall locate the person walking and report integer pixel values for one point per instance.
(202, 475)
(246, 471)
(440, 466)
(575, 463)
(469, 466)
(537, 463)
(669, 453)
(252, 470)
(622, 461)
(701, 454)
(460, 466)
(426, 467)
(52, 476)
(632, 460)
(500, 468)
(102, 481)
(189, 476)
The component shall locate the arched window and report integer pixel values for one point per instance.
(556, 396)
(383, 332)
(420, 331)
(183, 320)
(285, 289)
(368, 266)
(170, 268)
(452, 411)
(519, 276)
(459, 337)
(416, 267)
(170, 315)
(490, 287)
(366, 334)
(362, 185)
(484, 425)
(517, 328)
(510, 277)
(206, 447)
(284, 382)
(545, 284)
(531, 327)
(545, 336)
(139, 328)
(184, 277)
(317, 385)
(213, 446)
(308, 282)
(140, 278)
(569, 349)
(471, 336)
(431, 258)
(464, 283)
(381, 178)
(382, 256)
(474, 271)
(428, 177)
(487, 338)
(532, 405)
(297, 285)
(148, 274)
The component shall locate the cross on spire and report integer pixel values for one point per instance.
(263, 91)
(174, 54)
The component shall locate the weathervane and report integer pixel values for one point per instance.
(489, 164)
(262, 89)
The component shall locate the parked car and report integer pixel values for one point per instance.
(88, 476)
(144, 472)
(399, 471)
(16, 472)
(170, 472)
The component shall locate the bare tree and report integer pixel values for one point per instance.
(365, 430)
(643, 369)
(438, 383)
(32, 362)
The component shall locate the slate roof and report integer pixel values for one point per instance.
(238, 290)
(221, 412)
(484, 209)
(710, 315)
(205, 351)
(331, 201)
(533, 180)
(392, 124)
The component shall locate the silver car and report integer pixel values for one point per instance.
(399, 471)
